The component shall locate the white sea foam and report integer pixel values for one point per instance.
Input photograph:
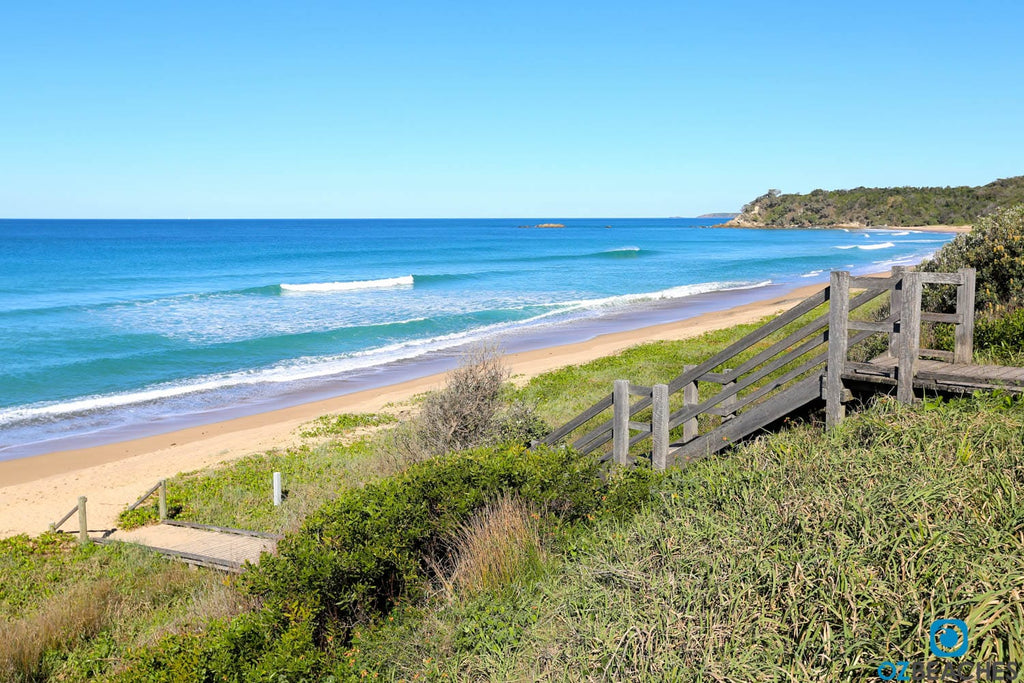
(813, 273)
(385, 283)
(612, 251)
(867, 247)
(314, 367)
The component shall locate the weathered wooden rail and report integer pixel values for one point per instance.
(808, 365)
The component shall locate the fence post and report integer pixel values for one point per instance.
(895, 307)
(83, 522)
(963, 350)
(659, 426)
(910, 337)
(690, 399)
(728, 401)
(163, 500)
(620, 421)
(277, 488)
(838, 329)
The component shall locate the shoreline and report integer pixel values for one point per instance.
(947, 229)
(39, 489)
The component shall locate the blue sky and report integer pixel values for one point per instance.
(526, 109)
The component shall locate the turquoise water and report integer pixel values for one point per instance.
(108, 326)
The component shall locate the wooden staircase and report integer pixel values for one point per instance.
(807, 366)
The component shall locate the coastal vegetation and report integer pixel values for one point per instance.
(436, 546)
(891, 206)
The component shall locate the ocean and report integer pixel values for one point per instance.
(112, 329)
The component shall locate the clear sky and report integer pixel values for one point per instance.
(478, 108)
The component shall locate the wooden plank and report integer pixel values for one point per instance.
(584, 417)
(963, 347)
(868, 370)
(880, 326)
(872, 283)
(144, 496)
(639, 390)
(795, 397)
(910, 335)
(935, 353)
(728, 404)
(927, 317)
(940, 278)
(838, 338)
(594, 439)
(221, 529)
(640, 427)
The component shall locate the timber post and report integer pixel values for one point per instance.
(963, 349)
(690, 399)
(277, 489)
(730, 400)
(659, 427)
(620, 422)
(910, 337)
(83, 522)
(895, 307)
(163, 500)
(838, 326)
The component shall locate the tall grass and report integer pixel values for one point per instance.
(801, 556)
(62, 621)
(495, 547)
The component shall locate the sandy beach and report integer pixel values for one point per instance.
(39, 490)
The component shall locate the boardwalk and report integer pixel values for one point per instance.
(227, 550)
(940, 376)
(804, 369)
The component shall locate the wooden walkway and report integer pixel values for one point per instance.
(940, 376)
(199, 545)
(804, 368)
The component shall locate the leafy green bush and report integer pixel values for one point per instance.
(1003, 335)
(370, 549)
(995, 247)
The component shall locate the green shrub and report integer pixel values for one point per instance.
(995, 247)
(371, 549)
(1003, 335)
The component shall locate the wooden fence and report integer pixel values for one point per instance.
(753, 393)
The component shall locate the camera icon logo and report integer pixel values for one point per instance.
(948, 638)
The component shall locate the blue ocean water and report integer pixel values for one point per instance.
(112, 326)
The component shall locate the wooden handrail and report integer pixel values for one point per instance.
(833, 328)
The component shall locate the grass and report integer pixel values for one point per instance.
(72, 613)
(798, 557)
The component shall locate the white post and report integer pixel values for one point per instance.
(277, 488)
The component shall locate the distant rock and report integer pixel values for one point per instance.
(718, 215)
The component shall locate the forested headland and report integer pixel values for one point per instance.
(893, 206)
